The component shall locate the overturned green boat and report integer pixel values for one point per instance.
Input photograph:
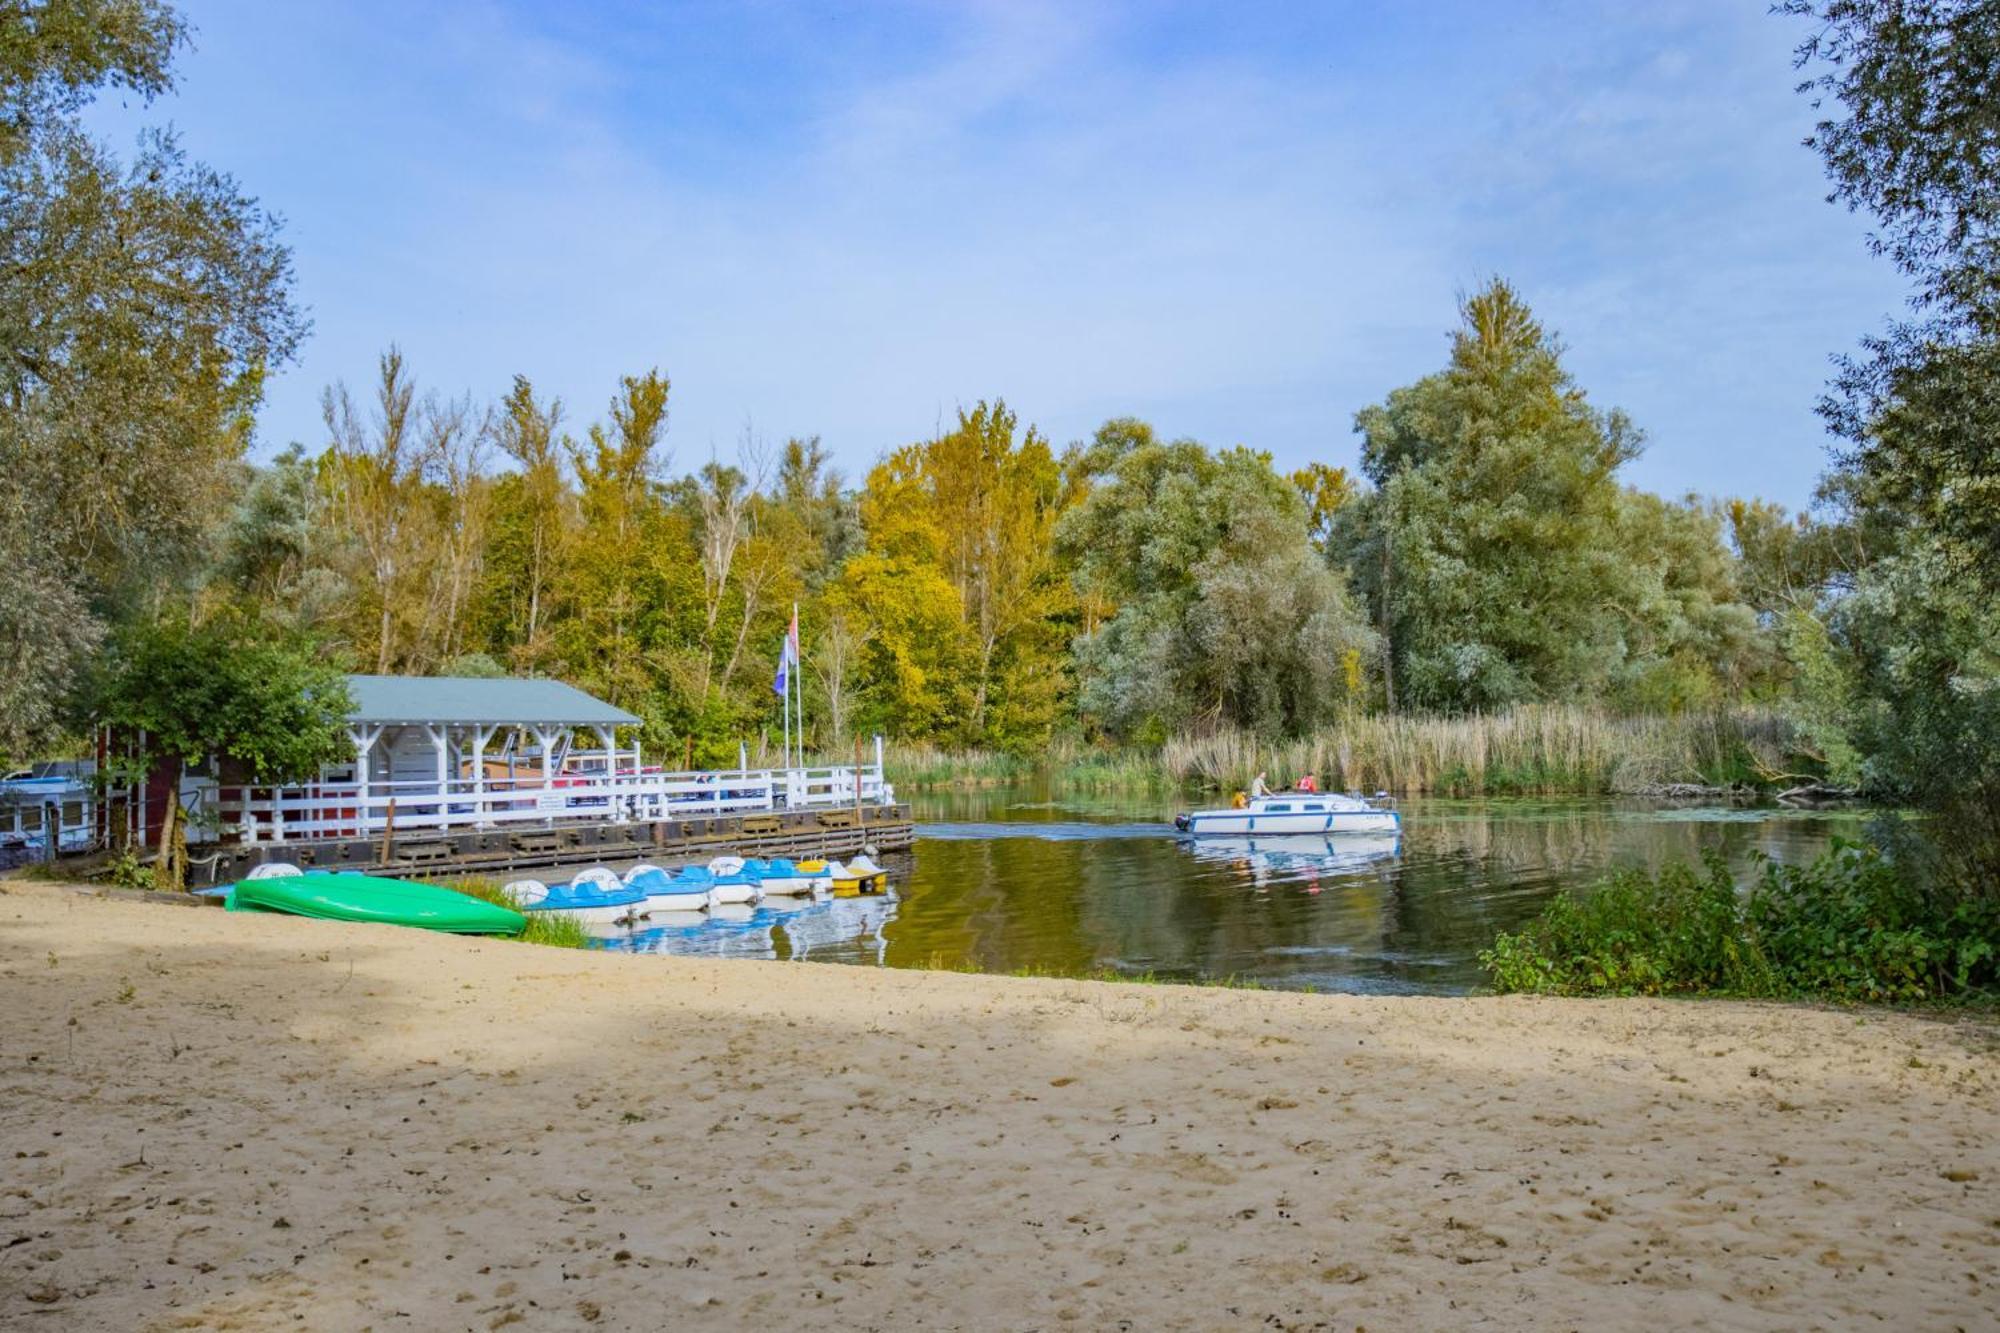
(339, 895)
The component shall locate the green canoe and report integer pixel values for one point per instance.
(346, 896)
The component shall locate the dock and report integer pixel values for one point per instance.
(838, 832)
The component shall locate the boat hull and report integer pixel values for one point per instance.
(596, 914)
(676, 902)
(1239, 823)
(346, 896)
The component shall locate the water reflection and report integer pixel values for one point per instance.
(837, 929)
(1010, 879)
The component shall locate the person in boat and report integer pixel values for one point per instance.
(1307, 783)
(1239, 801)
(1258, 787)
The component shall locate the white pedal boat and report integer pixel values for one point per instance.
(665, 893)
(1292, 812)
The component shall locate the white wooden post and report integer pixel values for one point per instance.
(364, 739)
(480, 735)
(547, 740)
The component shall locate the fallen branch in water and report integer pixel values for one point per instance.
(1817, 793)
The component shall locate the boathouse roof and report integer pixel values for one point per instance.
(471, 700)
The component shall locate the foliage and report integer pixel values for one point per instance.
(140, 308)
(1225, 616)
(1855, 925)
(960, 587)
(54, 54)
(236, 689)
(1911, 622)
(1635, 934)
(1502, 560)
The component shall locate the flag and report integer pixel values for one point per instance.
(788, 658)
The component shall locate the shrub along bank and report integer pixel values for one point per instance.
(1856, 925)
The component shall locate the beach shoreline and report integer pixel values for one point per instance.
(243, 1121)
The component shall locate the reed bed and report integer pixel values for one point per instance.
(1534, 750)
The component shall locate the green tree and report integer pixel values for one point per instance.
(533, 519)
(237, 690)
(1908, 89)
(1225, 614)
(140, 309)
(611, 587)
(1490, 548)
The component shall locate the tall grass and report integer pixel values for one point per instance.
(1541, 749)
(557, 929)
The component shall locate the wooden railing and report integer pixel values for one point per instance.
(350, 810)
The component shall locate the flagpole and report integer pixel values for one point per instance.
(785, 704)
(800, 659)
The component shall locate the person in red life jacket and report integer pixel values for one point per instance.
(1308, 783)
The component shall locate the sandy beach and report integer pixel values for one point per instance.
(228, 1121)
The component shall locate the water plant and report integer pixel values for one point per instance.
(1857, 925)
(1531, 750)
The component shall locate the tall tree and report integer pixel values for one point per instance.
(1490, 547)
(537, 511)
(1909, 88)
(619, 508)
(140, 309)
(978, 507)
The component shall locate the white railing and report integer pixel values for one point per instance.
(348, 810)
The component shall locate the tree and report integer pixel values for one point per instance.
(611, 590)
(977, 508)
(1325, 490)
(1915, 83)
(1491, 548)
(140, 309)
(1226, 615)
(535, 511)
(235, 689)
(1908, 634)
(55, 54)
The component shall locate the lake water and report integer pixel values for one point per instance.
(1014, 878)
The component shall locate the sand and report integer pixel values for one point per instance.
(223, 1121)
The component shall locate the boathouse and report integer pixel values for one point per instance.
(506, 772)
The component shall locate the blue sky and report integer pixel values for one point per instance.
(1243, 222)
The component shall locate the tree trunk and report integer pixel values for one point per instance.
(166, 871)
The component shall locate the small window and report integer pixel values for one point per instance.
(1277, 809)
(1315, 809)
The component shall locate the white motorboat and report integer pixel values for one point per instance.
(1289, 812)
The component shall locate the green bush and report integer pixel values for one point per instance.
(1635, 935)
(1856, 925)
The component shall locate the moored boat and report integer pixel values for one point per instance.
(783, 878)
(594, 895)
(861, 875)
(1292, 812)
(666, 892)
(722, 888)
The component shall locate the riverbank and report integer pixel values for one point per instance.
(1534, 750)
(261, 1122)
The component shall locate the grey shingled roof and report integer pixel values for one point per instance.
(465, 700)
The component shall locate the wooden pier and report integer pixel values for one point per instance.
(832, 831)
